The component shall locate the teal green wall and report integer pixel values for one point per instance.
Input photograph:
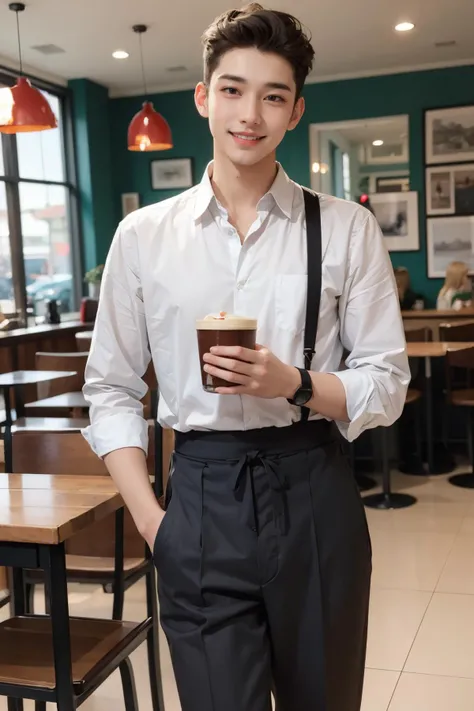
(90, 107)
(191, 138)
(409, 93)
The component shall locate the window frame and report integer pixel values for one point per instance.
(12, 180)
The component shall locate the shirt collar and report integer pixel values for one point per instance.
(282, 192)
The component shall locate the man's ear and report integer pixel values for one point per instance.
(298, 112)
(200, 99)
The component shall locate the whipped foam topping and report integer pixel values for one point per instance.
(225, 321)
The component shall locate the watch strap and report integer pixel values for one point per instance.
(306, 385)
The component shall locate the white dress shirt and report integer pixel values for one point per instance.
(178, 260)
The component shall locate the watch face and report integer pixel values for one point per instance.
(302, 397)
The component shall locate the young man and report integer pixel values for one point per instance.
(263, 556)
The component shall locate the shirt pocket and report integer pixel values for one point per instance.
(290, 302)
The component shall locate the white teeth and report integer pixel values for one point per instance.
(247, 138)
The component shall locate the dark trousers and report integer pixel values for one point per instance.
(264, 565)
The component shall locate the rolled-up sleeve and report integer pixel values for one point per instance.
(378, 374)
(119, 354)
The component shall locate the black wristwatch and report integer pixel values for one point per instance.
(304, 392)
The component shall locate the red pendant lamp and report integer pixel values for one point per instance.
(148, 130)
(22, 107)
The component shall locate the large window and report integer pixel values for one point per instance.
(39, 241)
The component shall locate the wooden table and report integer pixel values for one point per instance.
(37, 508)
(428, 350)
(17, 380)
(57, 658)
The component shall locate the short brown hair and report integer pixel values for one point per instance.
(266, 30)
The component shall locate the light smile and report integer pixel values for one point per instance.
(246, 137)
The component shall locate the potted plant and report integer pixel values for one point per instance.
(93, 278)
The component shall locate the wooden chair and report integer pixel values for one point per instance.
(457, 332)
(61, 361)
(455, 361)
(59, 407)
(83, 340)
(91, 554)
(60, 448)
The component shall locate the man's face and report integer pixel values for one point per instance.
(250, 104)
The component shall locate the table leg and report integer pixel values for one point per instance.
(17, 608)
(8, 431)
(444, 463)
(19, 402)
(429, 415)
(387, 499)
(53, 561)
(119, 584)
(17, 592)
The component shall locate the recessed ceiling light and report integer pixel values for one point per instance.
(120, 54)
(404, 26)
(378, 142)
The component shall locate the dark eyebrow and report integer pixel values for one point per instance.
(268, 85)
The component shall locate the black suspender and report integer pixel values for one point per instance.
(313, 297)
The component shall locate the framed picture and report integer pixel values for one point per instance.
(449, 239)
(130, 203)
(449, 135)
(393, 185)
(171, 174)
(397, 215)
(450, 190)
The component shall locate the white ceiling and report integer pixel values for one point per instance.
(351, 37)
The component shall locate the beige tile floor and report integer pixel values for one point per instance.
(420, 653)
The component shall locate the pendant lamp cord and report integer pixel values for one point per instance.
(19, 41)
(143, 66)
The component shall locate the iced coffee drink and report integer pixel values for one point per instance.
(223, 329)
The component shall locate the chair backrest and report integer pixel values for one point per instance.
(67, 452)
(74, 362)
(457, 332)
(418, 335)
(83, 343)
(462, 358)
(62, 451)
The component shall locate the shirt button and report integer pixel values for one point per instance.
(240, 285)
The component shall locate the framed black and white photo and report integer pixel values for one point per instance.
(449, 135)
(393, 185)
(130, 203)
(449, 239)
(450, 190)
(171, 174)
(397, 215)
(439, 191)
